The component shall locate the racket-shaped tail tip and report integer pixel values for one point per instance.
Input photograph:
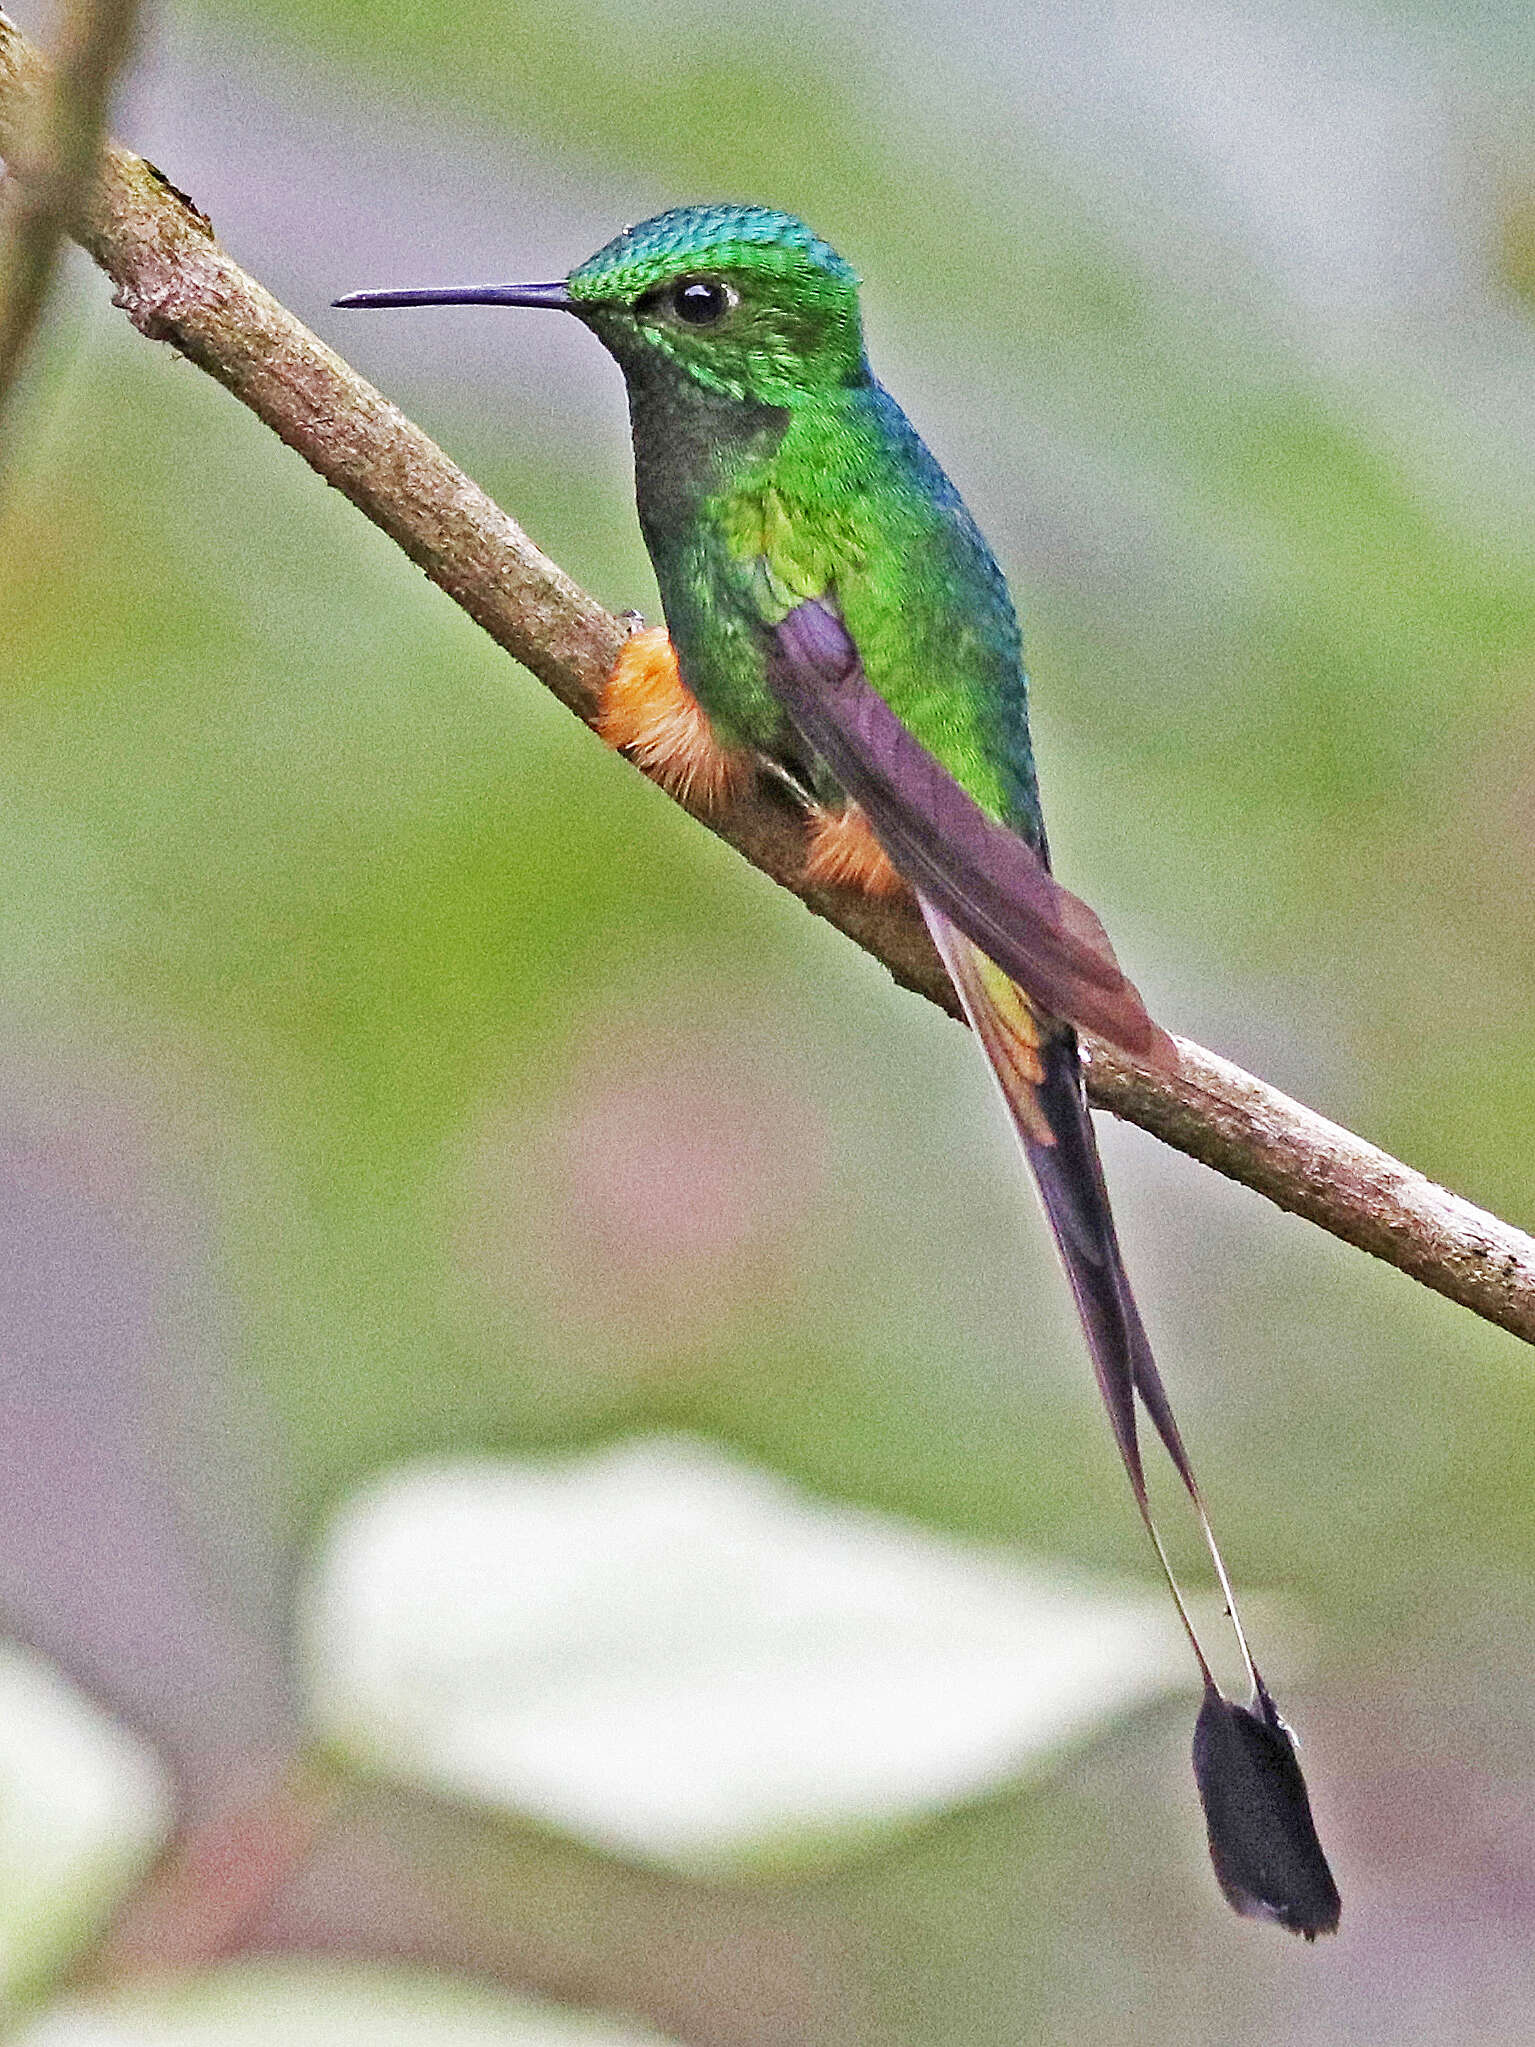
(1263, 1840)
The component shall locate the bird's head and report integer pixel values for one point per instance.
(741, 300)
(744, 301)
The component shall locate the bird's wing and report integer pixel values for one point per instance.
(980, 875)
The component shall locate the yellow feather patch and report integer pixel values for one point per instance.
(1006, 1023)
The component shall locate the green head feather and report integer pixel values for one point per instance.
(744, 301)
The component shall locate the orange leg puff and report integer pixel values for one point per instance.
(844, 853)
(648, 712)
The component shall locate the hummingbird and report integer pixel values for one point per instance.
(836, 622)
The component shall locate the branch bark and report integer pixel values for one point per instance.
(52, 156)
(177, 285)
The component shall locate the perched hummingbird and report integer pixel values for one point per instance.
(835, 619)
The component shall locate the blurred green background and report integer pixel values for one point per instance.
(386, 1069)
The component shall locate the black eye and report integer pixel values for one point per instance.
(701, 300)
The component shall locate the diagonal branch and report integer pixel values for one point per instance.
(52, 155)
(177, 285)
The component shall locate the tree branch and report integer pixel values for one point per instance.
(52, 155)
(177, 285)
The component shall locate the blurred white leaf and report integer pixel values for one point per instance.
(684, 1660)
(317, 2005)
(84, 1805)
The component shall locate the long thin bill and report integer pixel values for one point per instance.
(554, 295)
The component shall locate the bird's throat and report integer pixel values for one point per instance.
(691, 444)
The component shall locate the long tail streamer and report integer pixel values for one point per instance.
(1263, 1841)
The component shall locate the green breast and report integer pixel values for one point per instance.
(745, 517)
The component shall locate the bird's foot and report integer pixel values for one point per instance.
(844, 853)
(648, 712)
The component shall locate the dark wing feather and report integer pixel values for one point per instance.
(981, 875)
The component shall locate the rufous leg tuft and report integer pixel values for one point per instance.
(844, 853)
(648, 712)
